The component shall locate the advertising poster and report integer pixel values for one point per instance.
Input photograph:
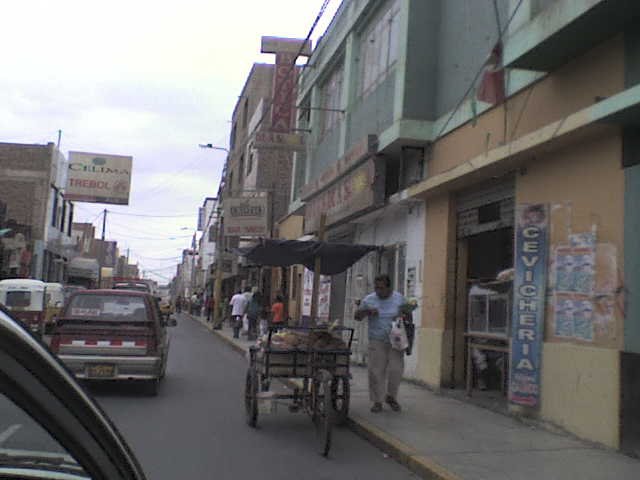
(530, 279)
(98, 178)
(324, 296)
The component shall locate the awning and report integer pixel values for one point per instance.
(334, 257)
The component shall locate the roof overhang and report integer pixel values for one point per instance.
(565, 30)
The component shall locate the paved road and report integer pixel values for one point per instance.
(195, 428)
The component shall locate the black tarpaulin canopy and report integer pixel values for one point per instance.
(334, 257)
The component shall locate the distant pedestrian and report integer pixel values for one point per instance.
(386, 364)
(210, 306)
(178, 304)
(238, 305)
(254, 313)
(277, 311)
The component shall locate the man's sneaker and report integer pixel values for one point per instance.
(395, 406)
(377, 407)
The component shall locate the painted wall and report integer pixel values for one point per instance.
(416, 218)
(438, 257)
(584, 184)
(565, 91)
(581, 391)
(468, 31)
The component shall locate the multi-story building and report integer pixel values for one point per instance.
(207, 243)
(39, 241)
(432, 124)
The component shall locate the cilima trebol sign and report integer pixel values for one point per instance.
(98, 178)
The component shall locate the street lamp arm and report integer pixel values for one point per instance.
(212, 146)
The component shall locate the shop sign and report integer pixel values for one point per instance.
(354, 193)
(362, 150)
(98, 178)
(531, 247)
(246, 216)
(278, 141)
(324, 296)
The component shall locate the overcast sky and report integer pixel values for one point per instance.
(146, 78)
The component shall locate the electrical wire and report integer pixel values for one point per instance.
(478, 73)
(149, 215)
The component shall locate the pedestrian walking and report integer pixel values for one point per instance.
(254, 313)
(385, 363)
(277, 311)
(210, 306)
(238, 305)
(179, 304)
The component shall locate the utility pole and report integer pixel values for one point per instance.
(104, 228)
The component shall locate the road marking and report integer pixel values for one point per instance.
(8, 433)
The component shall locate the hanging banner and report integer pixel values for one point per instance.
(98, 178)
(529, 285)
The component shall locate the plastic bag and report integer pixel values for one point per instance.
(398, 335)
(245, 323)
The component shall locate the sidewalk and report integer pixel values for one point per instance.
(439, 437)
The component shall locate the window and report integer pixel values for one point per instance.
(70, 224)
(379, 47)
(250, 163)
(245, 113)
(18, 299)
(241, 169)
(108, 307)
(331, 99)
(63, 215)
(212, 233)
(54, 212)
(232, 138)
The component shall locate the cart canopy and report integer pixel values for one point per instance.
(334, 257)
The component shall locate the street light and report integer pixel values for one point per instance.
(213, 147)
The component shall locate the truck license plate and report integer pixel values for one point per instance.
(101, 371)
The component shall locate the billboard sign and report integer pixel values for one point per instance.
(529, 285)
(246, 216)
(99, 178)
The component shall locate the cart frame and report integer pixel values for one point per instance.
(324, 393)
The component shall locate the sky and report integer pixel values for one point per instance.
(147, 78)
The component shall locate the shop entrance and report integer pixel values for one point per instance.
(484, 275)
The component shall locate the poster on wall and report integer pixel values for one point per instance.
(575, 278)
(531, 246)
(324, 296)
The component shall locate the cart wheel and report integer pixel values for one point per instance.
(323, 411)
(251, 398)
(340, 396)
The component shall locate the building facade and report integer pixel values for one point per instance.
(431, 127)
(38, 243)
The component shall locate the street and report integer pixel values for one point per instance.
(195, 428)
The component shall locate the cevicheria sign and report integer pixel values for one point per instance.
(98, 178)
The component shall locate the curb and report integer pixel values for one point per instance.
(399, 451)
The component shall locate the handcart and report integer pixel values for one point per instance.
(323, 392)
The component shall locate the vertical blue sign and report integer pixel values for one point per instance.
(531, 248)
